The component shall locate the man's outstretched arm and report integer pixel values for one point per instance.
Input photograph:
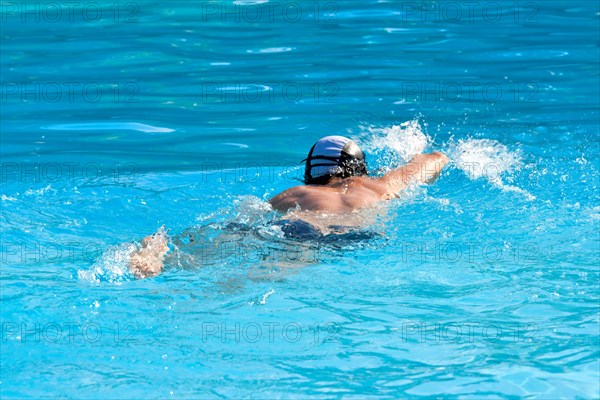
(422, 168)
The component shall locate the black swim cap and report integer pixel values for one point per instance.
(333, 156)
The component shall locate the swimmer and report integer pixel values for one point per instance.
(337, 183)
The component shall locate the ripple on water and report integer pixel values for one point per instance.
(270, 50)
(109, 126)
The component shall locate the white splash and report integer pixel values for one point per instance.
(112, 265)
(406, 139)
(265, 296)
(32, 192)
(594, 213)
(488, 159)
(251, 210)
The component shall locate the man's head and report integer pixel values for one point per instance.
(333, 156)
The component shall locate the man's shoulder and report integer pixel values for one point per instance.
(367, 183)
(289, 194)
(340, 188)
(297, 190)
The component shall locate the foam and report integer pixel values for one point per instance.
(487, 159)
(113, 265)
(477, 158)
(406, 139)
(251, 210)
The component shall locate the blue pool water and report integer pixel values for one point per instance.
(119, 118)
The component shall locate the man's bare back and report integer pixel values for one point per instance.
(342, 195)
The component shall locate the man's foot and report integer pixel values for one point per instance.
(147, 261)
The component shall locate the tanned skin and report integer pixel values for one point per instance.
(341, 196)
(338, 196)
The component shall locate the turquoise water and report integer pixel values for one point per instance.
(191, 114)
